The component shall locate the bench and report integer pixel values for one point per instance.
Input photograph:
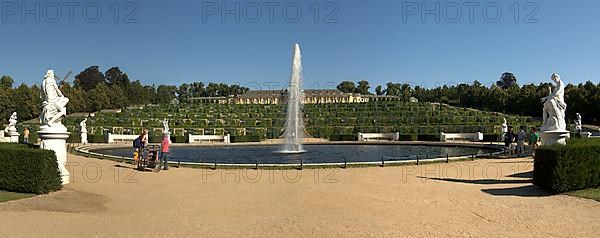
(113, 138)
(209, 138)
(378, 136)
(461, 136)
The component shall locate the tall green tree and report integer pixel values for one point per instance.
(363, 87)
(114, 76)
(6, 82)
(89, 78)
(378, 90)
(347, 87)
(507, 80)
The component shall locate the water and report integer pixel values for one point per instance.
(266, 154)
(294, 126)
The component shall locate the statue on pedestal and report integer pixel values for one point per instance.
(83, 126)
(504, 127)
(12, 123)
(578, 125)
(554, 129)
(54, 104)
(52, 132)
(554, 107)
(83, 131)
(165, 126)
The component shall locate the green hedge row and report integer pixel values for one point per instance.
(28, 170)
(238, 139)
(563, 168)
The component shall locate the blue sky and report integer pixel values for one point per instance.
(380, 41)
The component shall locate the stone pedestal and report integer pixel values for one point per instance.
(56, 140)
(585, 135)
(14, 136)
(84, 138)
(554, 137)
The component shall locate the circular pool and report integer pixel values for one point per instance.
(315, 153)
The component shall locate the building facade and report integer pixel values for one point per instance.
(311, 96)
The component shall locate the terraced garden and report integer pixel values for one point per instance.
(414, 121)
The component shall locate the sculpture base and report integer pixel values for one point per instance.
(14, 137)
(84, 138)
(554, 137)
(56, 140)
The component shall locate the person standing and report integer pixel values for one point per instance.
(164, 152)
(509, 137)
(26, 135)
(521, 141)
(534, 139)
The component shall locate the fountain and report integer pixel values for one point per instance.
(294, 126)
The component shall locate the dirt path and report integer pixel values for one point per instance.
(485, 198)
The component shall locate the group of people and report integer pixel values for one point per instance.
(142, 142)
(515, 142)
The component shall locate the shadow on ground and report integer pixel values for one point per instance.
(529, 190)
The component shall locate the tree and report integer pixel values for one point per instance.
(25, 101)
(378, 90)
(363, 87)
(347, 87)
(98, 98)
(117, 97)
(77, 99)
(6, 82)
(89, 78)
(165, 94)
(114, 76)
(393, 89)
(507, 80)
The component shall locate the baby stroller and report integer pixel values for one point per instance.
(149, 158)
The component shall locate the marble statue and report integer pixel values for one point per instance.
(12, 123)
(165, 126)
(83, 131)
(504, 126)
(554, 107)
(83, 126)
(54, 103)
(554, 127)
(53, 133)
(578, 126)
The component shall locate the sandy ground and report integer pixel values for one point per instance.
(483, 198)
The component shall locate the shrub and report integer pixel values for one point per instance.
(28, 170)
(97, 139)
(343, 137)
(411, 137)
(249, 138)
(155, 139)
(179, 139)
(566, 168)
(491, 137)
(428, 137)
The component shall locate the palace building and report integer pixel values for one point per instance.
(311, 96)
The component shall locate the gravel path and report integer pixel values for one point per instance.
(482, 198)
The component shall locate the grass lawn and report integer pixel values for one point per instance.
(7, 196)
(591, 193)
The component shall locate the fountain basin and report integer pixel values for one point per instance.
(313, 154)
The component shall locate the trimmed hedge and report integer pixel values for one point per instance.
(566, 168)
(179, 139)
(491, 137)
(238, 139)
(412, 137)
(28, 170)
(428, 137)
(353, 137)
(97, 139)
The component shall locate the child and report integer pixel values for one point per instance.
(166, 142)
(136, 156)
